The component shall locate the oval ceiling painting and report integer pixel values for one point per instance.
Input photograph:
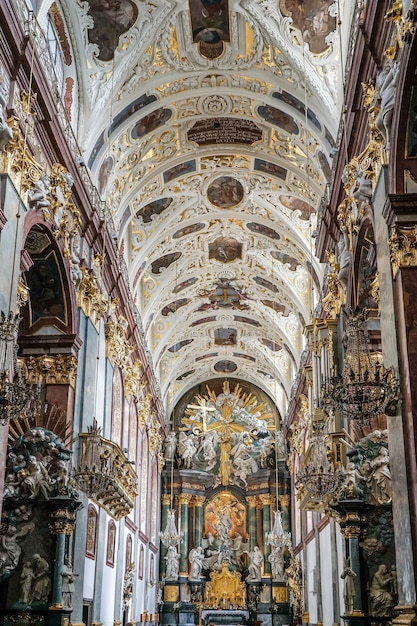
(295, 204)
(188, 230)
(164, 261)
(150, 122)
(180, 344)
(173, 307)
(225, 192)
(153, 208)
(278, 118)
(225, 366)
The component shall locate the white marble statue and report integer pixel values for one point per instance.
(172, 563)
(277, 561)
(255, 565)
(196, 558)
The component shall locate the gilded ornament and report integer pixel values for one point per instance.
(184, 498)
(89, 298)
(22, 295)
(60, 369)
(403, 247)
(404, 28)
(18, 163)
(133, 373)
(118, 348)
(61, 527)
(335, 297)
(155, 439)
(144, 412)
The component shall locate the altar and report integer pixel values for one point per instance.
(228, 617)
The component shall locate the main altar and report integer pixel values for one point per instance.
(225, 541)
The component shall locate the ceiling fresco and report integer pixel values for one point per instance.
(209, 128)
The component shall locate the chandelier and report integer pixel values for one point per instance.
(278, 537)
(318, 477)
(170, 536)
(366, 388)
(17, 397)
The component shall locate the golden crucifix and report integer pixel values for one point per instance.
(223, 423)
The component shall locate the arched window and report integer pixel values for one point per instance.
(141, 559)
(129, 551)
(152, 570)
(91, 540)
(111, 543)
(117, 408)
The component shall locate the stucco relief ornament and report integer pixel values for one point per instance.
(214, 105)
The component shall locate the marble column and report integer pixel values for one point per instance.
(252, 501)
(184, 500)
(265, 499)
(285, 501)
(198, 519)
(166, 503)
(62, 524)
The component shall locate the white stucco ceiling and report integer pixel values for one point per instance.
(214, 169)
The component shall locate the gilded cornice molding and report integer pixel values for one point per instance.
(403, 247)
(118, 349)
(90, 299)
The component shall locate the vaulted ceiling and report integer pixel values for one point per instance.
(209, 126)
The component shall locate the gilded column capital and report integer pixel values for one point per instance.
(166, 499)
(265, 499)
(60, 369)
(403, 247)
(284, 499)
(351, 532)
(89, 298)
(199, 500)
(61, 527)
(252, 500)
(184, 498)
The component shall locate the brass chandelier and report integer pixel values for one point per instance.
(17, 396)
(365, 389)
(318, 477)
